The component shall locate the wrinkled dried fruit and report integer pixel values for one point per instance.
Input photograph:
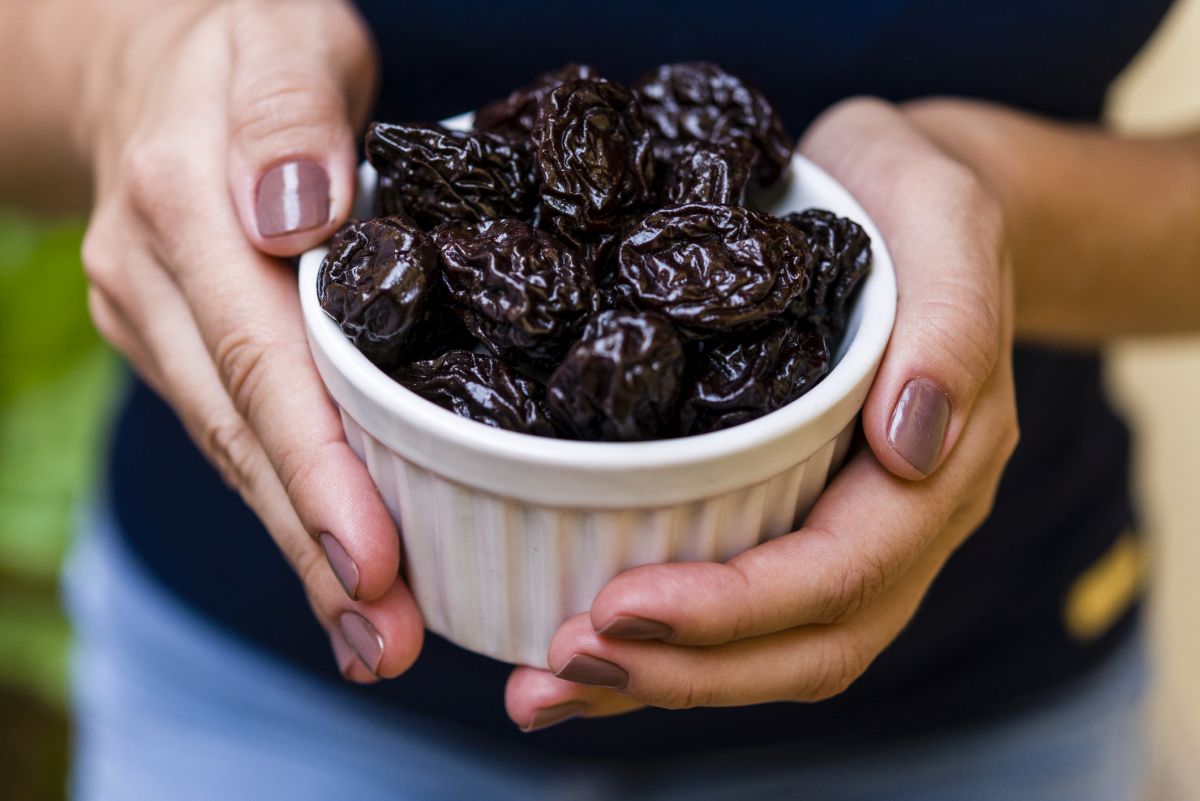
(841, 259)
(592, 153)
(520, 291)
(435, 175)
(698, 101)
(374, 282)
(708, 172)
(621, 381)
(513, 117)
(710, 268)
(480, 387)
(741, 378)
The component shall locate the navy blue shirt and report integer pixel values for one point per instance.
(990, 635)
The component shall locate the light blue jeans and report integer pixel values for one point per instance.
(171, 708)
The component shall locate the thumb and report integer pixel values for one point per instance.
(303, 78)
(945, 234)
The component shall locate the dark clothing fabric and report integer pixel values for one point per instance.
(990, 635)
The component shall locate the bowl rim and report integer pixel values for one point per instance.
(874, 308)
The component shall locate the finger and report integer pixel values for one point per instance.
(115, 329)
(386, 633)
(945, 234)
(537, 699)
(808, 663)
(292, 119)
(854, 545)
(863, 535)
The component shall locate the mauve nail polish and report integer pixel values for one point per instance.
(293, 196)
(341, 563)
(585, 669)
(548, 716)
(363, 638)
(919, 422)
(628, 627)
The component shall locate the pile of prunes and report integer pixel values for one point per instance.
(581, 263)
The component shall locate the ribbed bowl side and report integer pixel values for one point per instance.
(498, 576)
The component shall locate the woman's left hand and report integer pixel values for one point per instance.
(801, 617)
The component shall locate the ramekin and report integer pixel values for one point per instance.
(507, 535)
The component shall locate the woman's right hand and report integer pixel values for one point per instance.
(222, 137)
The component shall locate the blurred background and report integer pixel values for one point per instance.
(57, 382)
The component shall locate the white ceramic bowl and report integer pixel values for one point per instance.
(507, 535)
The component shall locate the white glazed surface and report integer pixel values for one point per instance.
(506, 535)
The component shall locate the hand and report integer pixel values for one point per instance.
(801, 617)
(223, 138)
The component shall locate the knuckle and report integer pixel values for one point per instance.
(283, 108)
(840, 664)
(241, 360)
(687, 694)
(961, 325)
(861, 584)
(99, 258)
(149, 168)
(231, 446)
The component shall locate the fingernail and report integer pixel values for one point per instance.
(343, 566)
(919, 423)
(636, 628)
(363, 638)
(585, 669)
(293, 196)
(547, 716)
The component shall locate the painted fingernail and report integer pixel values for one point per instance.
(919, 423)
(636, 628)
(547, 716)
(585, 669)
(363, 638)
(293, 196)
(341, 563)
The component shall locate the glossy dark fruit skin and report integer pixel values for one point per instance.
(699, 101)
(436, 175)
(520, 291)
(741, 378)
(841, 259)
(513, 117)
(480, 387)
(592, 155)
(375, 280)
(708, 172)
(713, 269)
(621, 381)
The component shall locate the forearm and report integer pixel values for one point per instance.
(1104, 230)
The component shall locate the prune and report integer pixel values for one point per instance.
(513, 117)
(374, 282)
(711, 268)
(741, 378)
(841, 258)
(592, 153)
(708, 172)
(436, 175)
(621, 381)
(698, 101)
(521, 292)
(480, 387)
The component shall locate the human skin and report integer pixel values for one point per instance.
(176, 112)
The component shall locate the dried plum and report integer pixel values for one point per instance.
(520, 291)
(711, 268)
(621, 381)
(841, 258)
(592, 153)
(436, 175)
(741, 378)
(480, 387)
(374, 282)
(513, 117)
(698, 101)
(708, 172)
